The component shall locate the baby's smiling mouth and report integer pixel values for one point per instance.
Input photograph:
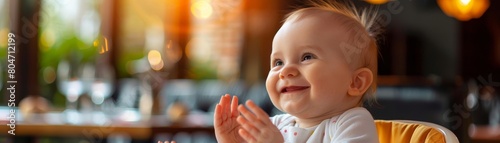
(293, 88)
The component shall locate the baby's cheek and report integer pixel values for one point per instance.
(271, 87)
(271, 81)
(273, 94)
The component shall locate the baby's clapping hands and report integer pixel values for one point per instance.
(253, 126)
(256, 125)
(225, 124)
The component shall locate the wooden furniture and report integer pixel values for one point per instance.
(484, 134)
(143, 130)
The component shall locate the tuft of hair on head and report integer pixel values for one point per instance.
(367, 19)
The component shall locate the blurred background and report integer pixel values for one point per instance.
(123, 71)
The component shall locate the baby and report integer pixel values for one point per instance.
(323, 67)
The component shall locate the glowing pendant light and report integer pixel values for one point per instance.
(377, 1)
(464, 10)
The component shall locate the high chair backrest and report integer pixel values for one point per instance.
(408, 131)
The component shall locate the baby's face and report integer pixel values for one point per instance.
(309, 74)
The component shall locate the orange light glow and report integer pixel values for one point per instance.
(377, 1)
(101, 45)
(155, 60)
(464, 10)
(201, 9)
(173, 53)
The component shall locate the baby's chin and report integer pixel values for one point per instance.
(311, 113)
(295, 110)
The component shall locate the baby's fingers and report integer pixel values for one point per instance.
(248, 131)
(234, 106)
(249, 116)
(218, 115)
(221, 110)
(261, 114)
(224, 102)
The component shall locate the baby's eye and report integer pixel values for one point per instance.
(277, 62)
(308, 56)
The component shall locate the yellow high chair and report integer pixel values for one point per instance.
(408, 131)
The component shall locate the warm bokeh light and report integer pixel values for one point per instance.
(3, 36)
(465, 2)
(201, 9)
(464, 10)
(101, 45)
(155, 60)
(199, 52)
(49, 75)
(377, 1)
(47, 39)
(173, 52)
(154, 57)
(158, 66)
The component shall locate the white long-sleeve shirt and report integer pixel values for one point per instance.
(355, 125)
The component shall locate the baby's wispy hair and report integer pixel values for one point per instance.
(367, 17)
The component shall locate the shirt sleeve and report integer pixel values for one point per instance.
(354, 126)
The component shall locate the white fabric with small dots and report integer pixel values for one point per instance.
(355, 125)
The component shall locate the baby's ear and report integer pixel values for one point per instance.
(361, 81)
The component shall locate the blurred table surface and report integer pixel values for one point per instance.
(485, 133)
(43, 130)
(41, 126)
